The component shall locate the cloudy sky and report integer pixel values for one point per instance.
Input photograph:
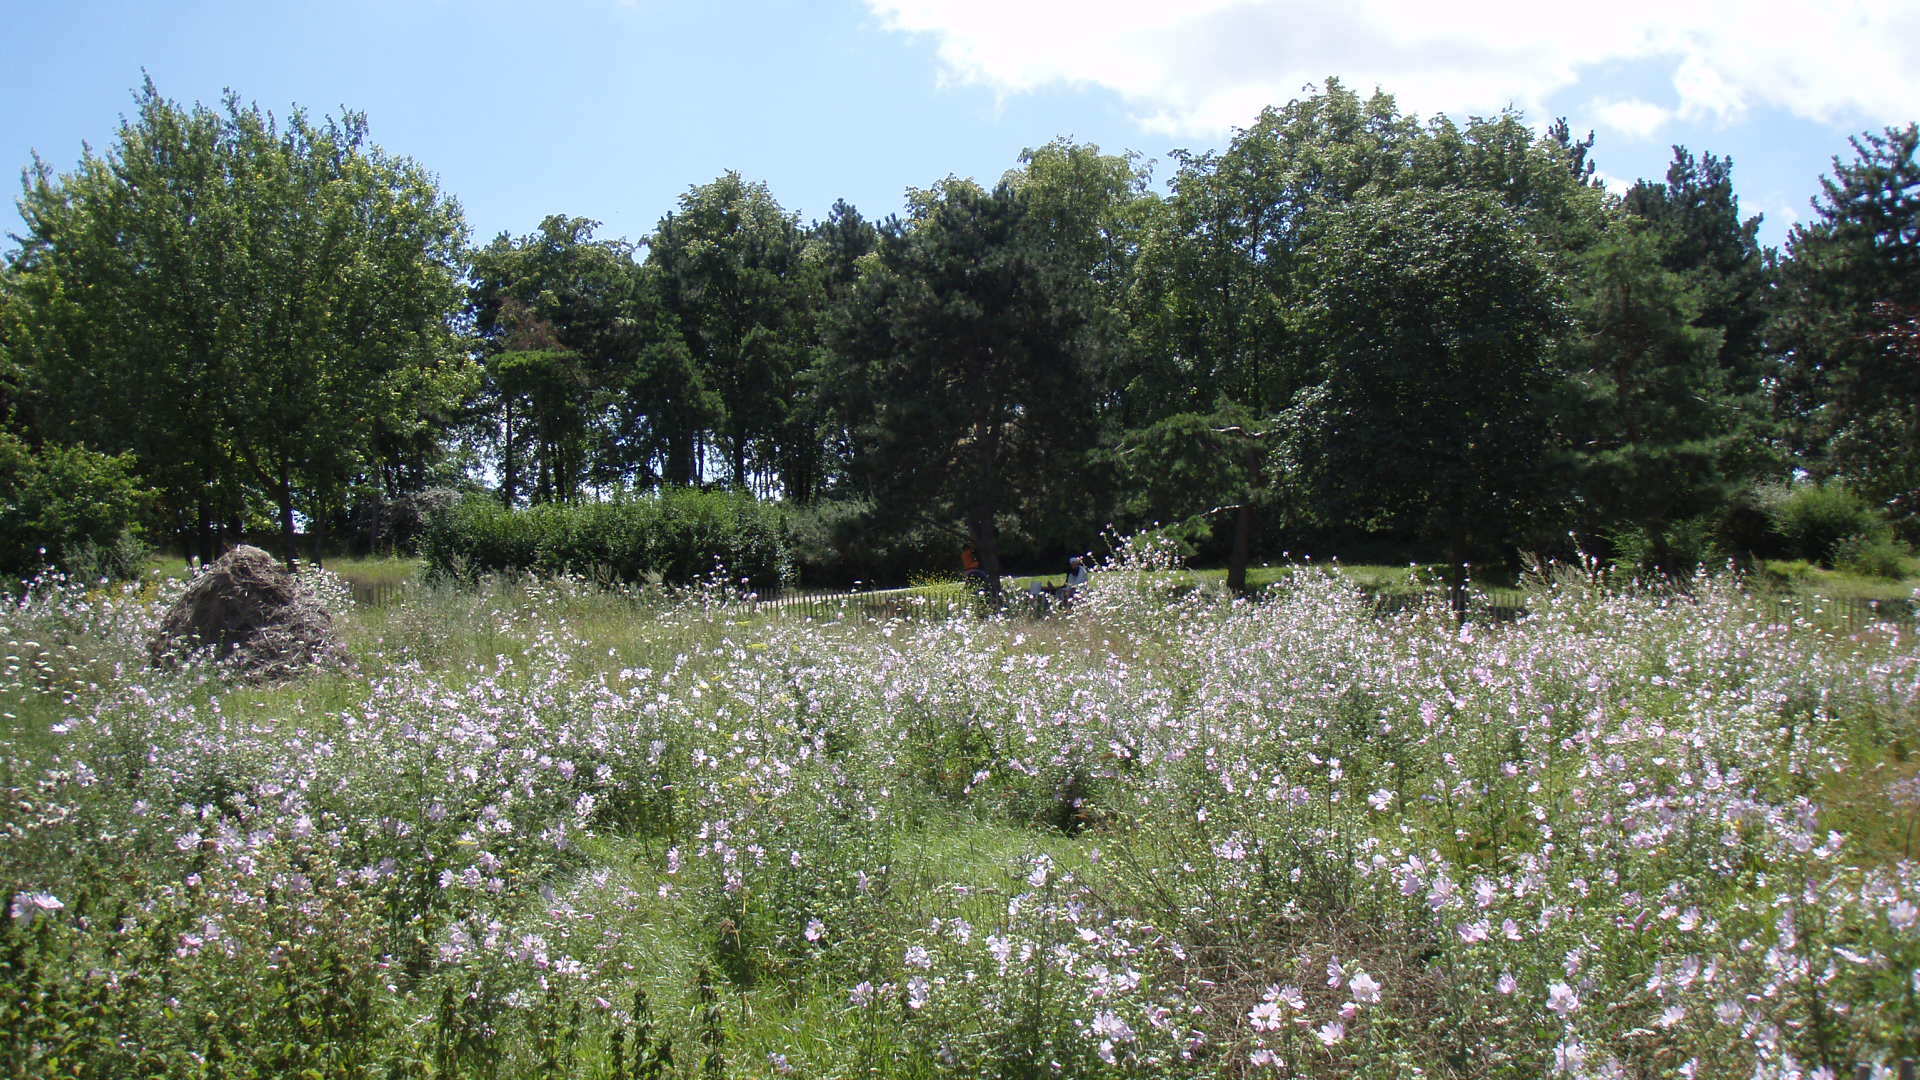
(610, 109)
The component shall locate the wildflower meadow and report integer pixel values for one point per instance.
(543, 829)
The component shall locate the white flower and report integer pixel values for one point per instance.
(1331, 1032)
(1364, 988)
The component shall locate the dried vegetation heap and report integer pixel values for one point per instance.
(251, 614)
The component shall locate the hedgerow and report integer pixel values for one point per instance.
(675, 537)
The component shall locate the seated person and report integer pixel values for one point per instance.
(970, 569)
(1076, 576)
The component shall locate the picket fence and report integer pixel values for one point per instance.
(1847, 615)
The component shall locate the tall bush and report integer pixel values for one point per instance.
(69, 507)
(676, 537)
(1814, 517)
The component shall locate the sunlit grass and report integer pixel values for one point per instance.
(912, 846)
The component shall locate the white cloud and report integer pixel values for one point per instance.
(1632, 117)
(1202, 66)
(1612, 183)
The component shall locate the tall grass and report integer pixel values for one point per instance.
(541, 829)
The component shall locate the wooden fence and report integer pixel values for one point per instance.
(1847, 615)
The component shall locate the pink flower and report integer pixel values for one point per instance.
(1903, 915)
(1365, 989)
(1108, 1025)
(28, 906)
(1331, 1032)
(1561, 999)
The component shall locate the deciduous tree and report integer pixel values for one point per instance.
(239, 301)
(1433, 318)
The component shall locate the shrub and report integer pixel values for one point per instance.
(677, 537)
(1814, 517)
(838, 542)
(68, 506)
(1675, 549)
(1872, 555)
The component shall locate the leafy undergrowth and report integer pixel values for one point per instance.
(543, 830)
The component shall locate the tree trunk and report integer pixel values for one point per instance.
(509, 476)
(1239, 556)
(203, 539)
(317, 533)
(680, 459)
(283, 494)
(986, 547)
(1457, 576)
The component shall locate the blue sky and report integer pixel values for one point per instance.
(610, 109)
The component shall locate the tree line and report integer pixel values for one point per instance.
(1347, 326)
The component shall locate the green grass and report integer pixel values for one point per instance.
(377, 570)
(1803, 578)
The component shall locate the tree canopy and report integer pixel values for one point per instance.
(246, 304)
(1346, 323)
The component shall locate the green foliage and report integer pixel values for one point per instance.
(728, 269)
(1670, 548)
(678, 536)
(69, 507)
(1851, 395)
(251, 307)
(558, 314)
(1703, 238)
(1433, 318)
(838, 542)
(1662, 433)
(1875, 553)
(1813, 517)
(973, 352)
